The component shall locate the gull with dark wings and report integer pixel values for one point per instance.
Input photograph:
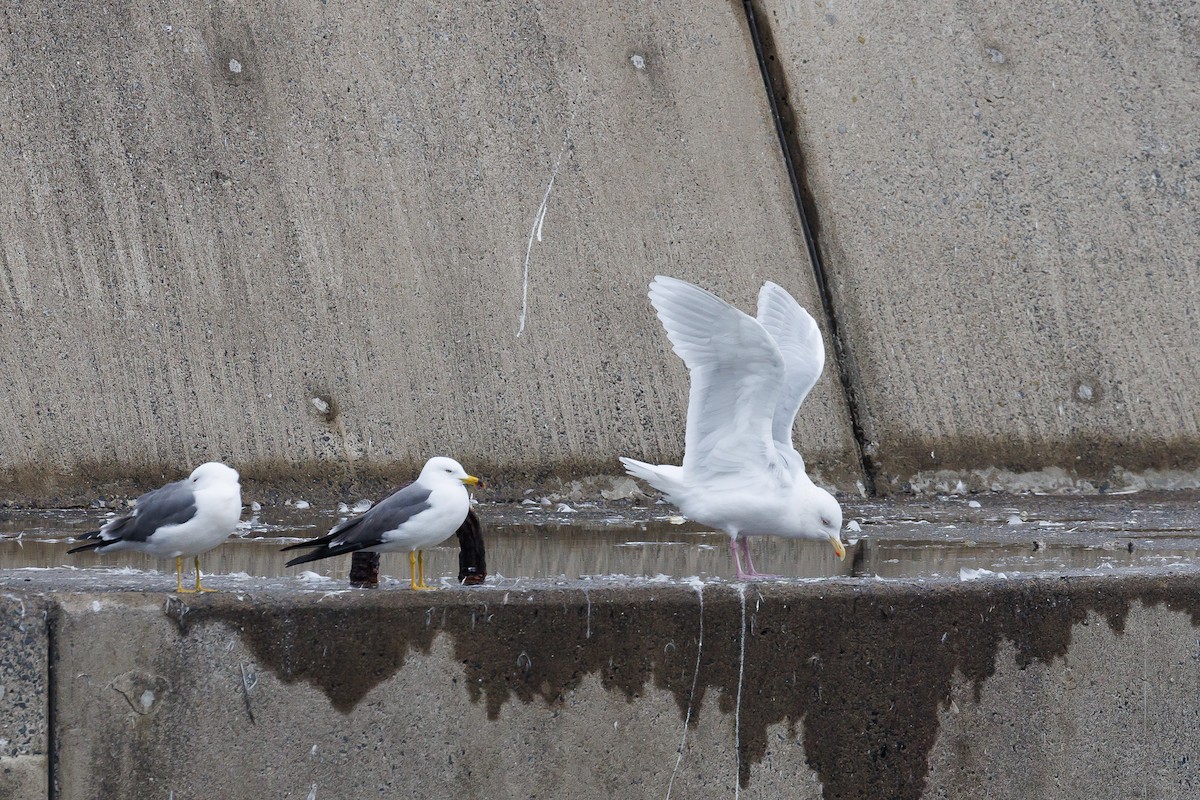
(419, 515)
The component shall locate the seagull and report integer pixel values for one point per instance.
(740, 472)
(421, 514)
(184, 518)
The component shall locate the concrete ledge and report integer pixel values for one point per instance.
(24, 648)
(823, 689)
(24, 697)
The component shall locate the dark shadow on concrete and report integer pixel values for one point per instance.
(865, 669)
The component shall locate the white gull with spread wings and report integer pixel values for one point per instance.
(741, 473)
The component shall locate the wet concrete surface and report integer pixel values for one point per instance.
(935, 538)
(866, 671)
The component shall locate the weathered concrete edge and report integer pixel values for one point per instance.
(41, 486)
(26, 735)
(903, 643)
(331, 483)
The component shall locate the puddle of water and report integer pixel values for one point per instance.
(913, 540)
(924, 559)
(513, 550)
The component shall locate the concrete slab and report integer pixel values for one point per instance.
(1115, 717)
(24, 777)
(24, 695)
(23, 674)
(335, 708)
(329, 240)
(832, 689)
(1007, 210)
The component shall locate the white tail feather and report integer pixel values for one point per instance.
(664, 477)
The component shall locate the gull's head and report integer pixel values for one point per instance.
(213, 473)
(825, 521)
(440, 468)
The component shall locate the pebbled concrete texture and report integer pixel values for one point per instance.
(330, 240)
(834, 689)
(24, 696)
(1007, 208)
(1115, 717)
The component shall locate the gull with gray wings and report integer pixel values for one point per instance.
(183, 518)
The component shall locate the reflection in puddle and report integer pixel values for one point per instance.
(917, 541)
(646, 549)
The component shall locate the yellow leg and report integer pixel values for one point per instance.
(421, 584)
(179, 578)
(412, 570)
(200, 588)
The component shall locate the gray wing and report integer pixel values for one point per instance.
(168, 505)
(799, 341)
(389, 514)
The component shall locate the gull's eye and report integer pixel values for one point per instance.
(825, 522)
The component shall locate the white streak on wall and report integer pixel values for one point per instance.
(535, 230)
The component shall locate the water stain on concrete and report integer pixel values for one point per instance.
(864, 668)
(1087, 457)
(343, 650)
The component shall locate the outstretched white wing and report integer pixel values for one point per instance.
(737, 374)
(803, 351)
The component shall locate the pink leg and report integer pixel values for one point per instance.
(744, 544)
(734, 546)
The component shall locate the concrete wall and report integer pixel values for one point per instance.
(329, 239)
(216, 213)
(1069, 688)
(1009, 211)
(24, 696)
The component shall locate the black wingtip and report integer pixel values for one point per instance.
(325, 552)
(320, 540)
(88, 546)
(304, 559)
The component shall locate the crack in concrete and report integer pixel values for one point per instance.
(775, 85)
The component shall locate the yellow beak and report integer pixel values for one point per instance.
(838, 547)
(471, 480)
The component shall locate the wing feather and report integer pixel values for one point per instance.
(366, 530)
(388, 515)
(737, 374)
(803, 351)
(172, 504)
